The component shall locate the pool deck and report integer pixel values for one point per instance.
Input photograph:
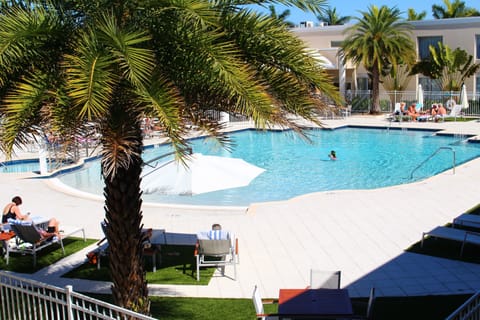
(363, 233)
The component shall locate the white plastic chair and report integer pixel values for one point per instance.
(324, 279)
(258, 303)
(371, 302)
(347, 112)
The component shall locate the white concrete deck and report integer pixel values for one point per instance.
(363, 233)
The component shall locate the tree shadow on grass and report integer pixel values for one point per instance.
(175, 265)
(45, 257)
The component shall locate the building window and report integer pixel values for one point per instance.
(477, 45)
(424, 43)
(363, 84)
(429, 84)
(477, 84)
(335, 44)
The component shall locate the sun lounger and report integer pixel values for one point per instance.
(462, 236)
(30, 241)
(467, 220)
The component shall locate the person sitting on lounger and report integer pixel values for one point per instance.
(412, 112)
(441, 112)
(12, 211)
(216, 233)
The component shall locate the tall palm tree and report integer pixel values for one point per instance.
(63, 63)
(412, 15)
(380, 40)
(331, 18)
(455, 9)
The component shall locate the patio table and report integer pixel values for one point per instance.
(314, 303)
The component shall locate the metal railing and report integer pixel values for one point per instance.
(432, 155)
(361, 100)
(469, 310)
(24, 299)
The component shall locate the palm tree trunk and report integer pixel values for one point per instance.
(123, 211)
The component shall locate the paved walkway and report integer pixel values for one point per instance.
(363, 233)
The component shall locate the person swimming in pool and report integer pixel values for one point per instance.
(332, 155)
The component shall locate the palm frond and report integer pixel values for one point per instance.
(135, 62)
(90, 78)
(21, 108)
(26, 34)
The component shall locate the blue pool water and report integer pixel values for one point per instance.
(27, 165)
(367, 159)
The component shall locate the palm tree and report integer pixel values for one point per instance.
(412, 15)
(282, 16)
(111, 62)
(455, 9)
(331, 18)
(380, 40)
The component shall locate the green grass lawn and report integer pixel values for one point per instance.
(176, 266)
(45, 257)
(388, 308)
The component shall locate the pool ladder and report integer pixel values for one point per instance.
(432, 155)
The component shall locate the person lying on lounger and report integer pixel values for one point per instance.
(12, 211)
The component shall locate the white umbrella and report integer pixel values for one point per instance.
(420, 98)
(323, 61)
(203, 174)
(464, 97)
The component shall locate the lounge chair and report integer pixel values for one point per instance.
(455, 112)
(467, 220)
(30, 240)
(396, 113)
(216, 253)
(321, 279)
(459, 235)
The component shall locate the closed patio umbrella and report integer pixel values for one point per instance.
(420, 98)
(464, 97)
(203, 174)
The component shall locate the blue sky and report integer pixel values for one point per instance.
(351, 8)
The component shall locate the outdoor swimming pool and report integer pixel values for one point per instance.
(367, 159)
(15, 166)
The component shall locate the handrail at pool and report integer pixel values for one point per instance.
(189, 150)
(164, 156)
(432, 155)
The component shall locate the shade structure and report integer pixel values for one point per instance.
(203, 174)
(463, 96)
(420, 98)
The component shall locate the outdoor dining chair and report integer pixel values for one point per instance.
(321, 279)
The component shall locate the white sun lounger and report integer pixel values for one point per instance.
(467, 220)
(462, 236)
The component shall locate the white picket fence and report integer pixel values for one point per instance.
(25, 299)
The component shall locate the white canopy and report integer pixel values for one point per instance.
(323, 61)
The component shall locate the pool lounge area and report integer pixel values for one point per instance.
(363, 233)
